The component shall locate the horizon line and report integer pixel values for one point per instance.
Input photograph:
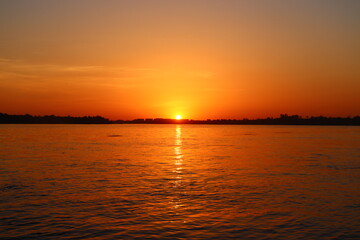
(283, 115)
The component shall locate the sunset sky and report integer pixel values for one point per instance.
(196, 58)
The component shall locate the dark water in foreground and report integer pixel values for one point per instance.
(179, 182)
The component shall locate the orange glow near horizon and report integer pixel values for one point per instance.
(178, 117)
(208, 59)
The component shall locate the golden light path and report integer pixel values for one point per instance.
(178, 167)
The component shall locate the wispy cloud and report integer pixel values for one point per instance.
(21, 72)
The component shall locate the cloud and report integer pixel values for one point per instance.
(15, 72)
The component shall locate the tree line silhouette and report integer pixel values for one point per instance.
(52, 119)
(283, 119)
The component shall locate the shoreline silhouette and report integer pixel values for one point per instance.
(283, 119)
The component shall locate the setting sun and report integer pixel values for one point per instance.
(178, 117)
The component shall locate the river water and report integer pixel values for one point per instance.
(179, 182)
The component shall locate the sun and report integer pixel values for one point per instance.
(178, 117)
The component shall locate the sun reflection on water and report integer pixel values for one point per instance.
(178, 168)
(178, 147)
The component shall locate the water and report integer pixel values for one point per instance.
(179, 182)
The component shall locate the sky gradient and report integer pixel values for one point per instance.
(196, 58)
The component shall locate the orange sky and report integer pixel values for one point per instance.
(200, 59)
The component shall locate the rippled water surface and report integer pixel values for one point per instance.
(179, 182)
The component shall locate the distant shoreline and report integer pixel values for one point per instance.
(283, 119)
